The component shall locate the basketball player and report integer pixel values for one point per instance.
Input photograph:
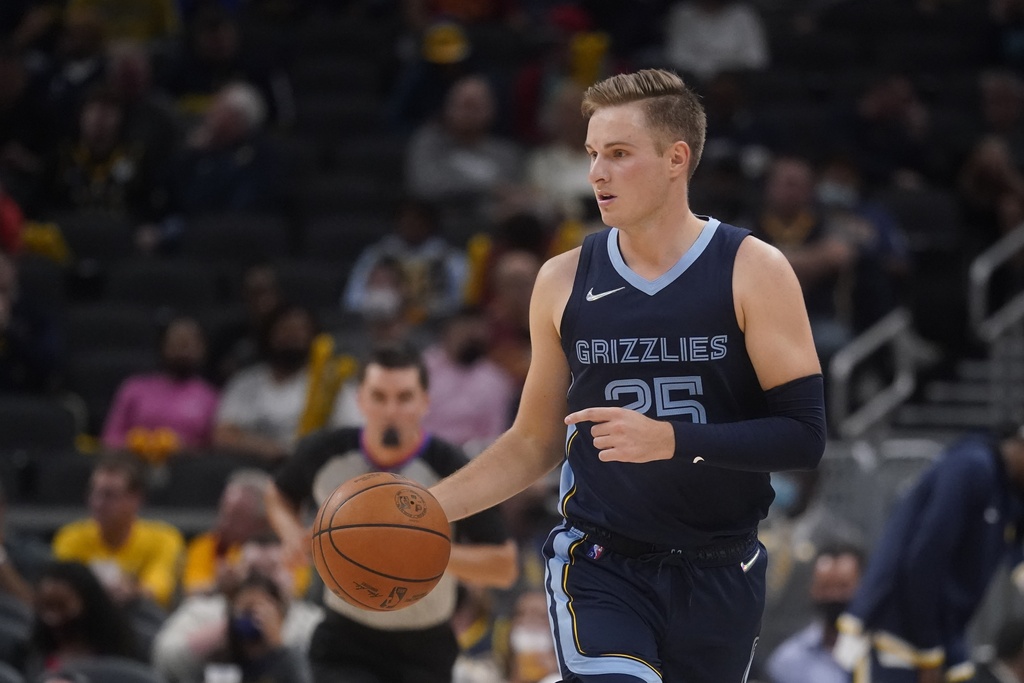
(415, 644)
(672, 370)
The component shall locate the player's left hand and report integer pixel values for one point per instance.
(626, 435)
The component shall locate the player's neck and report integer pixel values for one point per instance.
(652, 248)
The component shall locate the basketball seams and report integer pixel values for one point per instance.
(389, 513)
(379, 573)
(382, 526)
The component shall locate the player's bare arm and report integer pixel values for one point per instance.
(485, 564)
(536, 441)
(770, 311)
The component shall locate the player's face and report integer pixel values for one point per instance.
(630, 178)
(392, 400)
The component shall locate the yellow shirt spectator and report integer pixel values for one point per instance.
(151, 554)
(143, 21)
(203, 555)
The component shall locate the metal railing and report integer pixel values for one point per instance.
(895, 330)
(1001, 330)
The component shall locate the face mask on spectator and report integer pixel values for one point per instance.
(287, 359)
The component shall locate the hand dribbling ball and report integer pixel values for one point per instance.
(381, 542)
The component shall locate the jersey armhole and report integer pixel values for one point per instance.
(572, 306)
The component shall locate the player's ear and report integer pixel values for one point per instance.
(679, 159)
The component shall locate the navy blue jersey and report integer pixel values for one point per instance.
(670, 348)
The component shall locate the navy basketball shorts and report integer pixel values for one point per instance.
(656, 619)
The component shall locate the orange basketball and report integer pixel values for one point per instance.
(381, 542)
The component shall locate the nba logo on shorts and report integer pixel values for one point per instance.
(595, 552)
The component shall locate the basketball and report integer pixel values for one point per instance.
(381, 542)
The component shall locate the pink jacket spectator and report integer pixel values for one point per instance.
(156, 400)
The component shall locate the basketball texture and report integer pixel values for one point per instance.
(381, 542)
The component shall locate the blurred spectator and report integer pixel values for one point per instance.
(460, 165)
(30, 25)
(22, 558)
(211, 56)
(101, 169)
(75, 617)
(1007, 18)
(434, 271)
(531, 649)
(137, 560)
(149, 119)
(146, 21)
(563, 33)
(12, 222)
(987, 179)
(176, 403)
(238, 345)
(227, 164)
(806, 657)
(800, 525)
(444, 56)
(790, 221)
(891, 129)
(262, 405)
(1008, 664)
(24, 129)
(943, 543)
(76, 68)
(883, 254)
(215, 561)
(508, 312)
(255, 636)
(558, 170)
(1002, 109)
(471, 397)
(735, 135)
(703, 37)
(30, 344)
(63, 676)
(385, 315)
(499, 12)
(197, 630)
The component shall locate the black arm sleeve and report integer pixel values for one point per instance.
(792, 437)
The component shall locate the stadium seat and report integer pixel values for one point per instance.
(180, 285)
(96, 236)
(95, 376)
(313, 284)
(235, 237)
(42, 281)
(60, 478)
(340, 238)
(35, 424)
(113, 670)
(110, 326)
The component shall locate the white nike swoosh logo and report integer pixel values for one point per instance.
(745, 566)
(594, 297)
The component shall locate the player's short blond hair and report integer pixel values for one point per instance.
(673, 110)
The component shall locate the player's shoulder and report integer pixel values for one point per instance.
(759, 263)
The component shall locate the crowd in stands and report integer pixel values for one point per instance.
(212, 210)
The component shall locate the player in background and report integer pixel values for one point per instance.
(673, 368)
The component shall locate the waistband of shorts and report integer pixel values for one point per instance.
(718, 554)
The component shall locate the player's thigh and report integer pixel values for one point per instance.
(604, 627)
(713, 632)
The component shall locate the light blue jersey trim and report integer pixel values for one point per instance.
(563, 628)
(652, 287)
